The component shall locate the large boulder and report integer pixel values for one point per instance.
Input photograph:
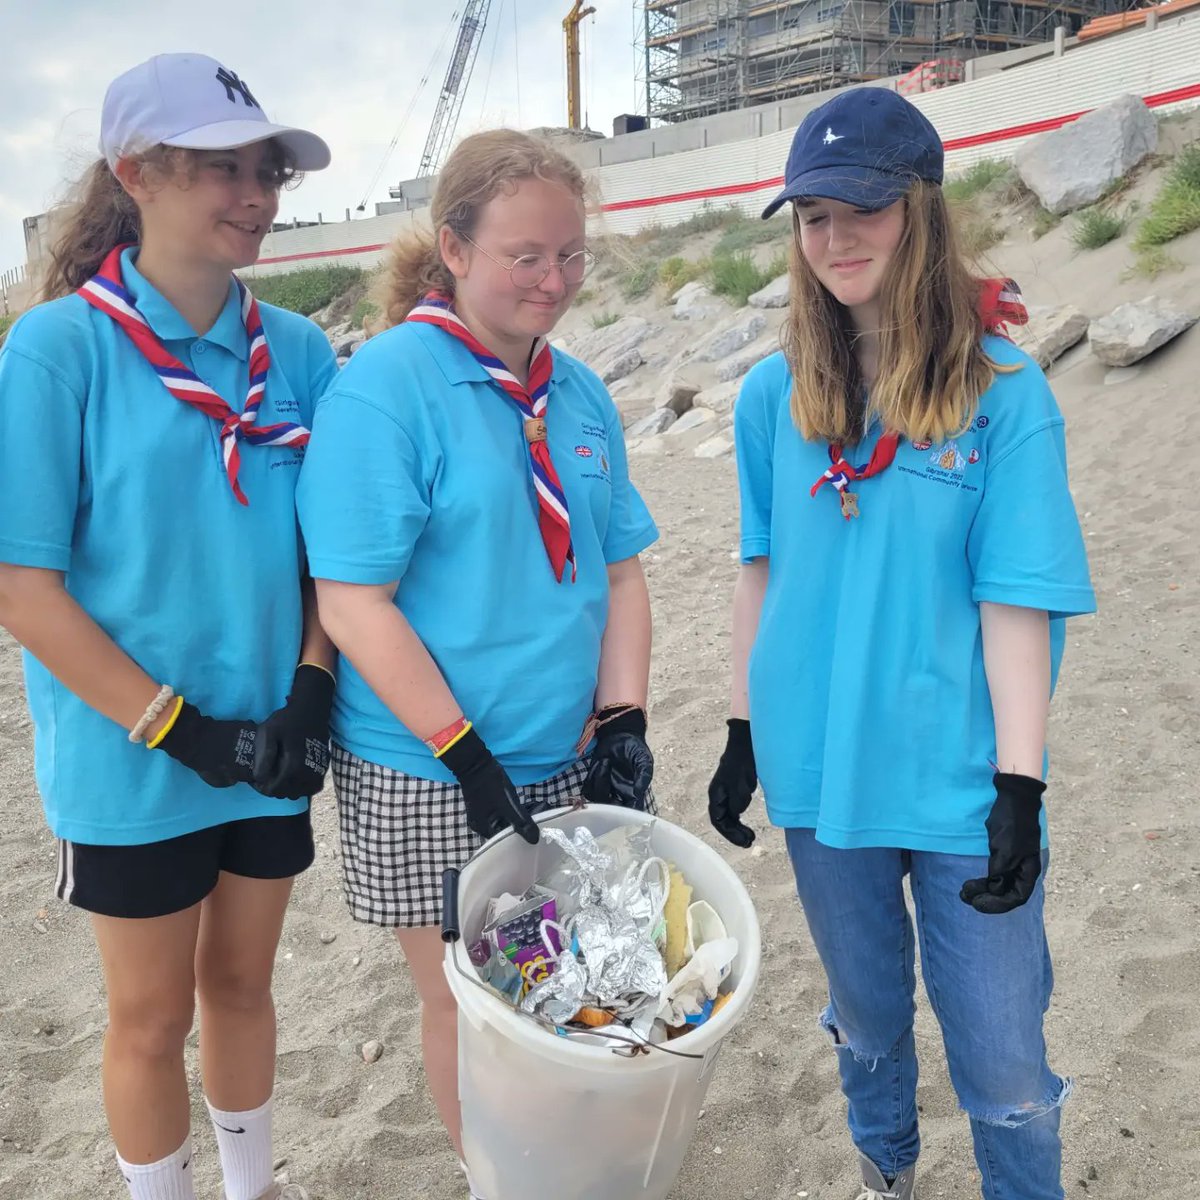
(1132, 331)
(659, 421)
(718, 446)
(1051, 330)
(613, 351)
(721, 397)
(735, 367)
(774, 295)
(695, 426)
(1073, 166)
(695, 302)
(677, 394)
(729, 341)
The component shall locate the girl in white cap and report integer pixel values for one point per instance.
(152, 422)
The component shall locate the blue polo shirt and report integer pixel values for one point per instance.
(107, 477)
(869, 706)
(418, 472)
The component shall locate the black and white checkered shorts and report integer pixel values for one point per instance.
(399, 833)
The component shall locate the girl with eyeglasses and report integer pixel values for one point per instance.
(474, 535)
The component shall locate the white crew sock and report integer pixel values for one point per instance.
(168, 1179)
(244, 1142)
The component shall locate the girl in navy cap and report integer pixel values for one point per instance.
(152, 422)
(909, 553)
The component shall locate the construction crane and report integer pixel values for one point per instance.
(454, 87)
(571, 23)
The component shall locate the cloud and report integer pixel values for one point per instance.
(351, 81)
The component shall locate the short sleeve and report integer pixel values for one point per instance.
(752, 445)
(363, 497)
(1025, 547)
(41, 438)
(630, 527)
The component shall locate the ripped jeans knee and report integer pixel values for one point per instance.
(866, 1055)
(1014, 1116)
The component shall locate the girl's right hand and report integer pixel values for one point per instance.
(733, 785)
(489, 795)
(220, 752)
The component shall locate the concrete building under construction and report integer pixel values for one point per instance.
(708, 56)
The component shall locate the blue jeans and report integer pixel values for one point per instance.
(989, 980)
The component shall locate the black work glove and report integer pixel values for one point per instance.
(622, 765)
(733, 785)
(1014, 847)
(291, 750)
(489, 795)
(220, 752)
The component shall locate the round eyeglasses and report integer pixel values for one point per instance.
(528, 270)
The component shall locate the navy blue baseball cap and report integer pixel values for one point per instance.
(864, 147)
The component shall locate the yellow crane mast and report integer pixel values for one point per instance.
(571, 23)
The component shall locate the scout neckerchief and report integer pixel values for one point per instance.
(1000, 304)
(106, 292)
(553, 518)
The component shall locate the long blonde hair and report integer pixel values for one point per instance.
(102, 215)
(932, 367)
(479, 168)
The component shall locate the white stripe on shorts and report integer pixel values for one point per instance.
(64, 885)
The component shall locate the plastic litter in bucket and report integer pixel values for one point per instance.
(550, 1116)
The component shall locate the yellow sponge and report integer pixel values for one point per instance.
(675, 915)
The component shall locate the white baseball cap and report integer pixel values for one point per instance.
(192, 101)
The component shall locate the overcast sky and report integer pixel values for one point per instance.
(346, 69)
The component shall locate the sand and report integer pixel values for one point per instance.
(1124, 890)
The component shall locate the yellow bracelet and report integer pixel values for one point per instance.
(162, 733)
(458, 737)
(320, 668)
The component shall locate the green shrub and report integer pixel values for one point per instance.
(584, 296)
(364, 310)
(674, 272)
(738, 277)
(605, 319)
(6, 323)
(307, 290)
(976, 179)
(1176, 209)
(1152, 263)
(1094, 227)
(743, 233)
(639, 279)
(1044, 221)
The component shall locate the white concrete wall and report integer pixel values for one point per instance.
(985, 118)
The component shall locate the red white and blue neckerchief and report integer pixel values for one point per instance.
(1000, 304)
(553, 518)
(106, 292)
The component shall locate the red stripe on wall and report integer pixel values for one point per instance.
(320, 254)
(1156, 100)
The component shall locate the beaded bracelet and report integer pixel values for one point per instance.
(154, 710)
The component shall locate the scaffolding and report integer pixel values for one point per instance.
(708, 56)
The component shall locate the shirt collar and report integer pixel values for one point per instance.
(229, 331)
(459, 365)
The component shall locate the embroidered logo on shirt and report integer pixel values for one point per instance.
(584, 451)
(981, 422)
(973, 457)
(922, 445)
(948, 457)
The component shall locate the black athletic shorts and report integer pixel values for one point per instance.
(159, 878)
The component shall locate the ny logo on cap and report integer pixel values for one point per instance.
(234, 87)
(831, 137)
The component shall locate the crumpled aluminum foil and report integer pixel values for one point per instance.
(619, 966)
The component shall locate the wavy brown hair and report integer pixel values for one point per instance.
(102, 215)
(932, 367)
(479, 168)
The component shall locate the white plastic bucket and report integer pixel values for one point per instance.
(549, 1116)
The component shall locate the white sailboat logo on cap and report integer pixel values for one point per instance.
(831, 137)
